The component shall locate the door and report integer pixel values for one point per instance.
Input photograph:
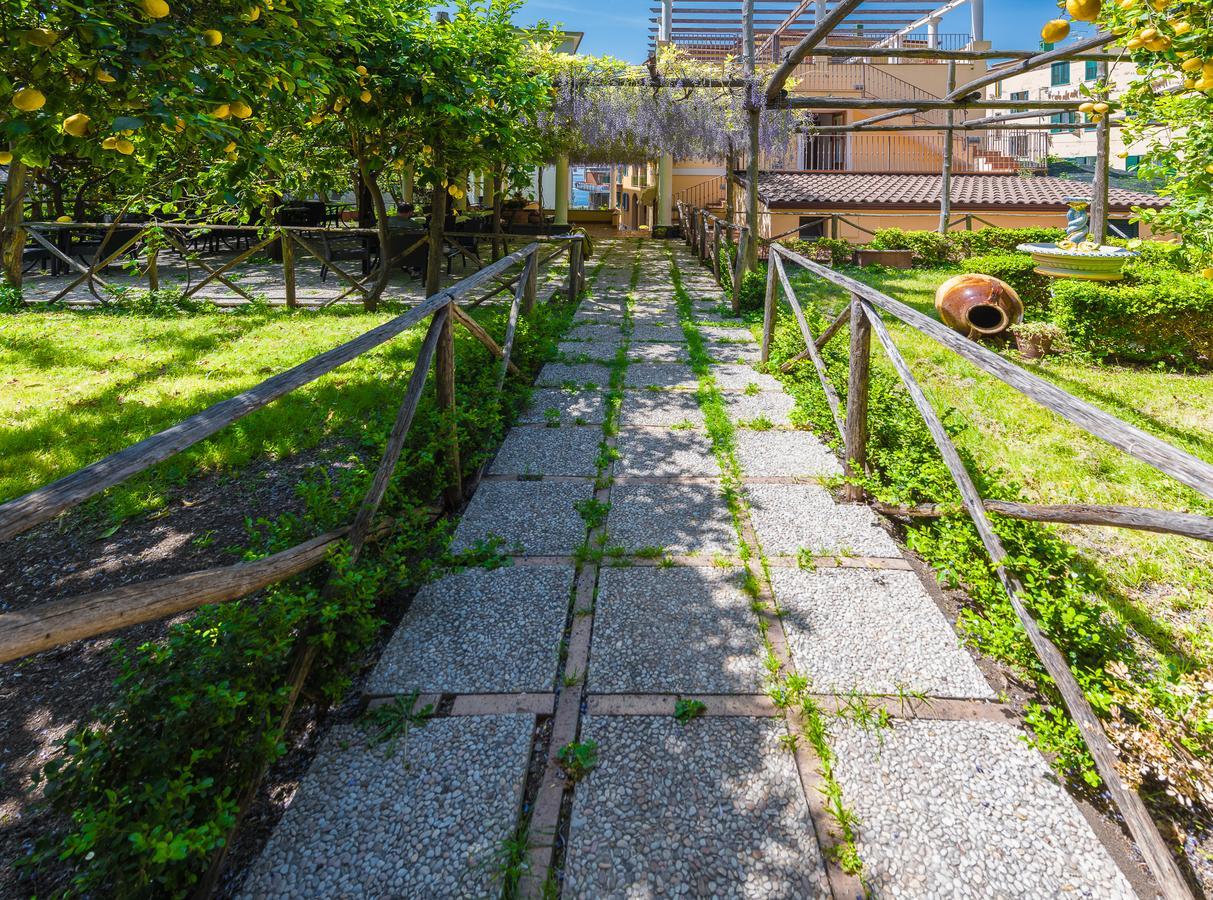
(826, 152)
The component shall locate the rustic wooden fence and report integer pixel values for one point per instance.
(143, 243)
(51, 624)
(706, 234)
(863, 315)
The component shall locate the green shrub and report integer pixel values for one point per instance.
(754, 287)
(1017, 270)
(840, 250)
(1154, 258)
(995, 240)
(929, 248)
(1168, 321)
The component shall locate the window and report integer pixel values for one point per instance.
(1125, 228)
(812, 227)
(1065, 118)
(1061, 73)
(1131, 163)
(1019, 95)
(1092, 72)
(1046, 46)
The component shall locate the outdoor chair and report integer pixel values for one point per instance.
(351, 249)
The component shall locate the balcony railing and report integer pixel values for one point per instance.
(1003, 152)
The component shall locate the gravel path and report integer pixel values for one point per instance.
(716, 806)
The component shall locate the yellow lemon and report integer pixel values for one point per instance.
(64, 219)
(1134, 44)
(1207, 273)
(1123, 154)
(1159, 44)
(29, 99)
(230, 147)
(361, 70)
(1101, 108)
(5, 157)
(110, 143)
(179, 125)
(253, 14)
(105, 77)
(1083, 10)
(241, 110)
(1191, 65)
(222, 111)
(1126, 4)
(316, 118)
(1181, 28)
(213, 37)
(1204, 84)
(1160, 5)
(156, 9)
(365, 96)
(76, 125)
(1086, 108)
(123, 146)
(1055, 30)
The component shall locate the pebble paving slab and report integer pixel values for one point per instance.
(713, 808)
(538, 515)
(674, 630)
(560, 374)
(572, 406)
(538, 450)
(784, 453)
(774, 408)
(872, 631)
(678, 518)
(661, 408)
(660, 375)
(517, 614)
(967, 809)
(421, 819)
(663, 453)
(791, 517)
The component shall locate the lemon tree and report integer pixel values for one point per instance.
(1171, 42)
(130, 85)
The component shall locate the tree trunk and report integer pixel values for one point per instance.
(12, 235)
(498, 200)
(371, 184)
(433, 269)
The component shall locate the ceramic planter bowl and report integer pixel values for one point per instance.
(1104, 264)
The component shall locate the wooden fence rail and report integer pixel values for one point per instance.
(51, 624)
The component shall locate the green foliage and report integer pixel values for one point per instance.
(1166, 322)
(754, 288)
(985, 241)
(686, 709)
(1017, 270)
(839, 250)
(578, 759)
(389, 723)
(929, 248)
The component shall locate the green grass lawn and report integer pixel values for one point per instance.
(1164, 584)
(80, 385)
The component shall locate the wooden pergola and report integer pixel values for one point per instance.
(787, 32)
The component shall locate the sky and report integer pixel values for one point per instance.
(620, 27)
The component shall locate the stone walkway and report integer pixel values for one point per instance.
(639, 514)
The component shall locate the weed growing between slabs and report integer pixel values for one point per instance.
(151, 788)
(789, 690)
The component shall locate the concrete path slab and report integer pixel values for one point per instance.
(658, 353)
(642, 332)
(539, 450)
(875, 632)
(660, 408)
(684, 630)
(572, 407)
(678, 518)
(794, 517)
(584, 375)
(784, 453)
(423, 819)
(588, 351)
(769, 407)
(713, 808)
(665, 453)
(967, 809)
(537, 516)
(734, 377)
(660, 375)
(479, 631)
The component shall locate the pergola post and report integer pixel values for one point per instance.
(562, 189)
(977, 12)
(665, 190)
(1099, 186)
(945, 187)
(667, 21)
(753, 114)
(933, 35)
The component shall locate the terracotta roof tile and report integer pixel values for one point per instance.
(851, 190)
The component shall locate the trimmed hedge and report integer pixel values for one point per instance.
(839, 249)
(933, 249)
(1168, 322)
(1017, 270)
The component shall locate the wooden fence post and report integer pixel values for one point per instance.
(574, 288)
(856, 437)
(288, 270)
(716, 251)
(444, 381)
(768, 305)
(531, 279)
(743, 235)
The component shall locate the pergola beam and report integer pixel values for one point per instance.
(959, 126)
(913, 106)
(958, 55)
(815, 37)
